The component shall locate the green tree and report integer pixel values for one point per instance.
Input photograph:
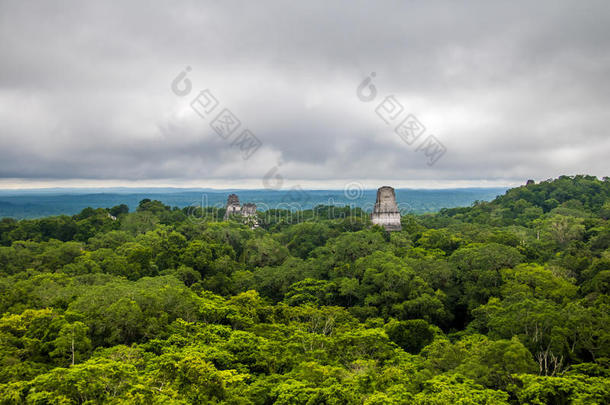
(72, 343)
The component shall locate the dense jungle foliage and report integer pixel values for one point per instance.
(504, 302)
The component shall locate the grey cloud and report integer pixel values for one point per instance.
(510, 89)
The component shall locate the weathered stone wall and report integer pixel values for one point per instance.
(386, 212)
(248, 210)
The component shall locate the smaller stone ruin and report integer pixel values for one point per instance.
(386, 213)
(248, 210)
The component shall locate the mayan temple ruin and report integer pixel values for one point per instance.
(386, 212)
(233, 207)
(246, 211)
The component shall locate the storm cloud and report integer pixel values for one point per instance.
(512, 91)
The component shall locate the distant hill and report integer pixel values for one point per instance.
(579, 196)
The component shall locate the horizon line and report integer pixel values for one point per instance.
(15, 185)
(213, 189)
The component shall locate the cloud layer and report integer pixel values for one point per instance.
(512, 91)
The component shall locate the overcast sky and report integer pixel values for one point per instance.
(512, 91)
